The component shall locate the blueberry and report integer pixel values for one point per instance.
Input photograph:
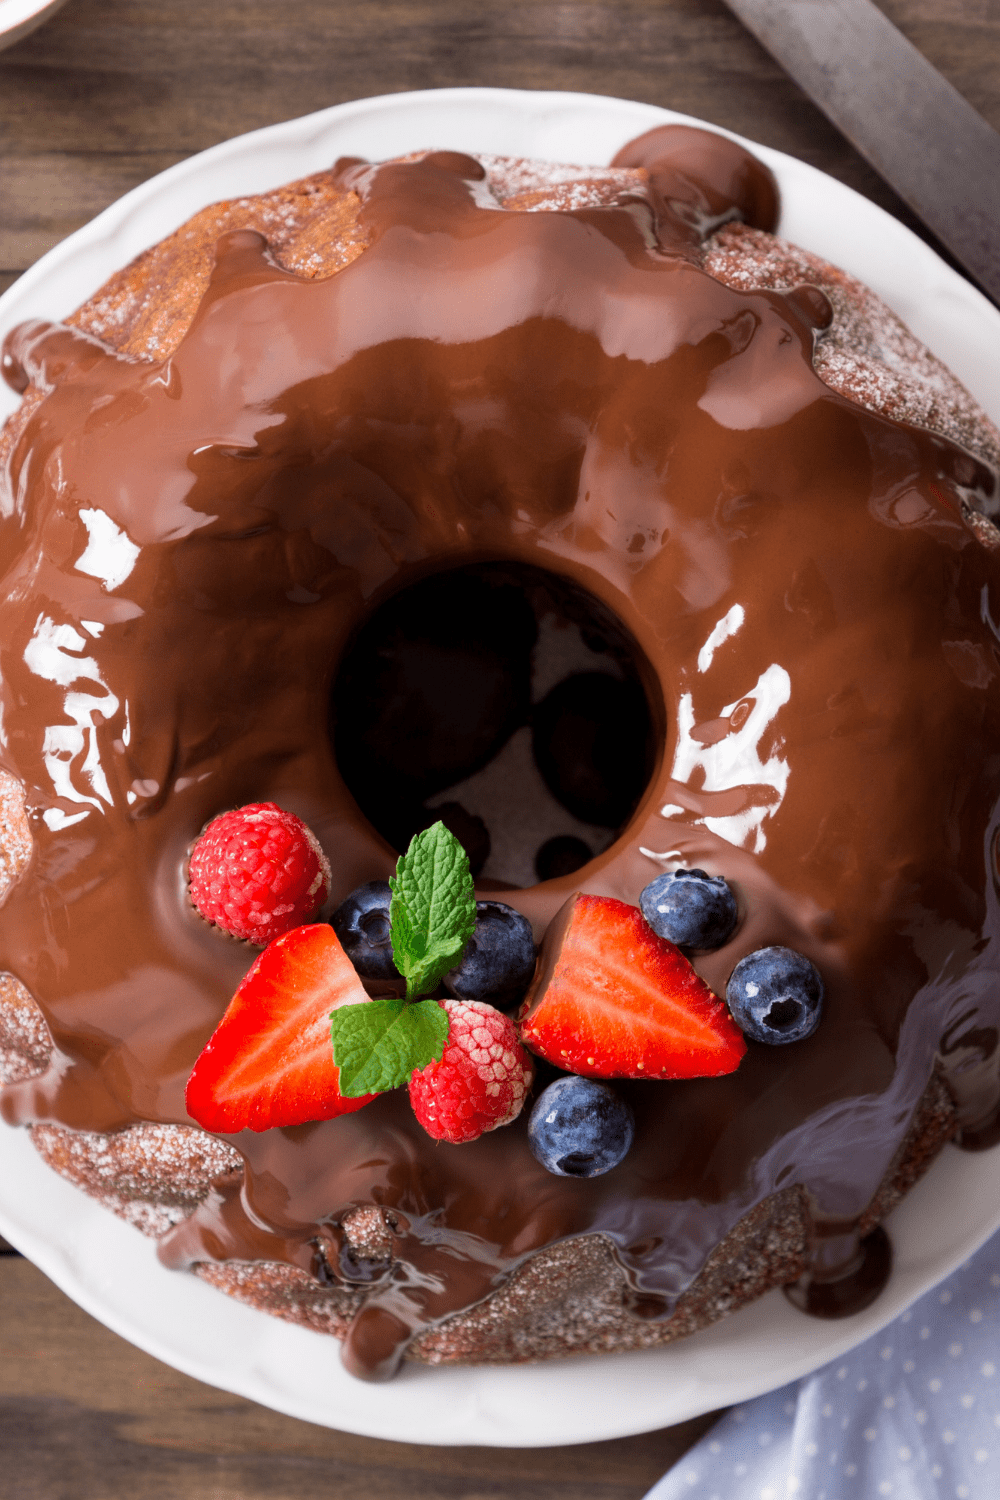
(498, 963)
(362, 925)
(775, 995)
(580, 1128)
(692, 909)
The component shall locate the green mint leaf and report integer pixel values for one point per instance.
(377, 1045)
(433, 911)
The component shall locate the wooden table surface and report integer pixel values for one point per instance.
(106, 94)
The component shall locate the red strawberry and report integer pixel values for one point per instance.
(613, 1000)
(482, 1079)
(270, 1060)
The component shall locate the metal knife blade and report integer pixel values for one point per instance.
(941, 157)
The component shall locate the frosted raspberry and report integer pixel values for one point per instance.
(482, 1079)
(257, 872)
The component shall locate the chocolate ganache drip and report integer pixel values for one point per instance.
(189, 546)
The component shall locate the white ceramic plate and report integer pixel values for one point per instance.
(18, 17)
(110, 1269)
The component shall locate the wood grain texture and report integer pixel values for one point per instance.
(106, 95)
(85, 1416)
(110, 91)
(900, 112)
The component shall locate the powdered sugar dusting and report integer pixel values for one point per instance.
(15, 837)
(368, 1232)
(867, 354)
(285, 1291)
(510, 176)
(25, 1039)
(153, 1175)
(569, 1297)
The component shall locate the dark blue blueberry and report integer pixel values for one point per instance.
(580, 1128)
(498, 963)
(775, 995)
(694, 910)
(362, 925)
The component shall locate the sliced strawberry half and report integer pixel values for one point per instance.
(270, 1059)
(613, 1000)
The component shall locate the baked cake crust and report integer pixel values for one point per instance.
(577, 1294)
(570, 1298)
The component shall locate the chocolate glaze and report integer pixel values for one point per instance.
(860, 1270)
(188, 547)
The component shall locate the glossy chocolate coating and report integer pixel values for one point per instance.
(187, 548)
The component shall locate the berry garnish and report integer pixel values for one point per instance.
(776, 996)
(481, 1079)
(432, 916)
(377, 1048)
(433, 910)
(694, 910)
(580, 1128)
(257, 872)
(499, 960)
(363, 926)
(612, 1000)
(269, 1061)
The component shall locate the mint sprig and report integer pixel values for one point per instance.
(378, 1045)
(433, 911)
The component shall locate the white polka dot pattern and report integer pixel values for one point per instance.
(913, 1414)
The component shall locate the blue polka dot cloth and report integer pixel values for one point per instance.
(913, 1413)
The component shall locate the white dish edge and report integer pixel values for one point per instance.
(111, 1270)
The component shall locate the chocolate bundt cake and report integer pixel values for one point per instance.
(346, 495)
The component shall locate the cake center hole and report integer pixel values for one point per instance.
(505, 701)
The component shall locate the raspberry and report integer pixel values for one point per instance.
(257, 872)
(482, 1079)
